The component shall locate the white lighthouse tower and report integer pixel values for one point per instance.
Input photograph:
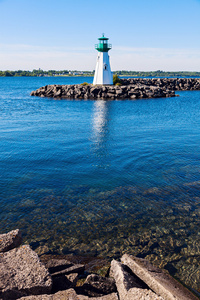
(103, 74)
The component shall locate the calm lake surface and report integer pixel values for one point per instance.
(102, 178)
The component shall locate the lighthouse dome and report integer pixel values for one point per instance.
(103, 45)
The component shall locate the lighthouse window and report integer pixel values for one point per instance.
(105, 67)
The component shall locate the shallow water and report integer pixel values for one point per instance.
(102, 178)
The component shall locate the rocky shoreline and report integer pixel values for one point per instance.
(131, 88)
(23, 275)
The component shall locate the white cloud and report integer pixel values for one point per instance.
(157, 59)
(29, 57)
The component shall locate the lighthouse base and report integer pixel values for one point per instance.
(103, 74)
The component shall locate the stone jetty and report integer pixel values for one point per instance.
(132, 88)
(24, 276)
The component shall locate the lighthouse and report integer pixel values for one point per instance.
(103, 74)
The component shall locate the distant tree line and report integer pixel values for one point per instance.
(157, 74)
(40, 72)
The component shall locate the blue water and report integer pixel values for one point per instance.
(90, 176)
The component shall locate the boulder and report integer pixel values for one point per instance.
(133, 97)
(110, 95)
(96, 286)
(61, 283)
(22, 274)
(159, 281)
(95, 90)
(59, 267)
(64, 282)
(70, 294)
(10, 240)
(129, 286)
(72, 278)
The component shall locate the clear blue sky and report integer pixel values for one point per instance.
(145, 34)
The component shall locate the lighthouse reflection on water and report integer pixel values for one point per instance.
(100, 124)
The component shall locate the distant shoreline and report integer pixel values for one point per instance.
(67, 73)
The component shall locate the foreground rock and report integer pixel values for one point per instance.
(10, 240)
(22, 273)
(132, 88)
(157, 280)
(59, 267)
(70, 295)
(129, 286)
(64, 282)
(64, 273)
(23, 276)
(96, 286)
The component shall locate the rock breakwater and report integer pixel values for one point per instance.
(172, 84)
(132, 88)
